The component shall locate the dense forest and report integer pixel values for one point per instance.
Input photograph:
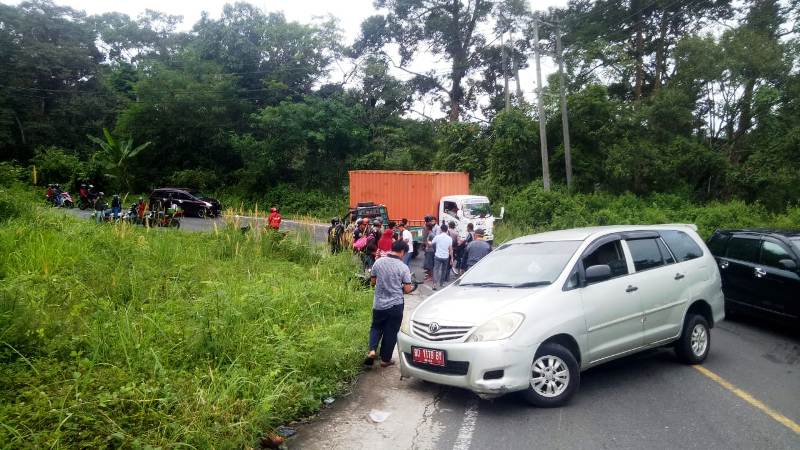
(700, 98)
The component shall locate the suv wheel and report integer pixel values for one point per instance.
(695, 342)
(554, 376)
(202, 213)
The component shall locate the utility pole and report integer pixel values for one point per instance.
(540, 107)
(564, 118)
(505, 72)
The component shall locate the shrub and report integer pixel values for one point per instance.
(57, 165)
(533, 210)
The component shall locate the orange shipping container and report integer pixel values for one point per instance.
(410, 195)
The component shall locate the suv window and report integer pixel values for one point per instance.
(717, 244)
(609, 253)
(771, 253)
(683, 247)
(645, 253)
(743, 249)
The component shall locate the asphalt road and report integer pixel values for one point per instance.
(746, 395)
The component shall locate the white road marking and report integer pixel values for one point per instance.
(464, 438)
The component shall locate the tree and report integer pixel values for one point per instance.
(445, 27)
(188, 111)
(631, 42)
(274, 59)
(513, 158)
(116, 156)
(51, 86)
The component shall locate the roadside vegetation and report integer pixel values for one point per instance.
(116, 336)
(533, 210)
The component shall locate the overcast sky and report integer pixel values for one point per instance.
(350, 14)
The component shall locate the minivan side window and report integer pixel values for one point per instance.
(645, 253)
(743, 249)
(717, 244)
(772, 253)
(683, 247)
(611, 254)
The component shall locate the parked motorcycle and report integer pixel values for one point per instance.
(66, 200)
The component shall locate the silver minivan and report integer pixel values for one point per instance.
(540, 309)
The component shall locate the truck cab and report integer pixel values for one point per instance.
(466, 209)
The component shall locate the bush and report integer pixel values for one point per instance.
(11, 173)
(291, 201)
(57, 165)
(125, 337)
(199, 179)
(534, 210)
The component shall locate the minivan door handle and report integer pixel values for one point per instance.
(679, 276)
(631, 288)
(760, 273)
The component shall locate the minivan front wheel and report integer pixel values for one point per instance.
(695, 342)
(554, 376)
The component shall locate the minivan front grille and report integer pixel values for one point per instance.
(441, 332)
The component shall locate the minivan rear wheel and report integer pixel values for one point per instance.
(695, 341)
(554, 376)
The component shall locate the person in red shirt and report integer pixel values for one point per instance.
(274, 219)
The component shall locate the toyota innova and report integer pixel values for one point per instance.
(540, 309)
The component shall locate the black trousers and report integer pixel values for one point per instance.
(385, 326)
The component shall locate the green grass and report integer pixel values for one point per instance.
(115, 336)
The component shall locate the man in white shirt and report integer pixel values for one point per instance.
(406, 237)
(443, 257)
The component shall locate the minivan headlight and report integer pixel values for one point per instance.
(405, 325)
(501, 327)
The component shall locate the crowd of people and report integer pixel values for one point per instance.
(444, 251)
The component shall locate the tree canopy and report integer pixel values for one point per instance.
(694, 97)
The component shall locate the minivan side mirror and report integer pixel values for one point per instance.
(788, 264)
(597, 273)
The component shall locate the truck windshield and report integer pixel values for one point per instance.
(521, 265)
(477, 209)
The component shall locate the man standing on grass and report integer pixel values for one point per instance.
(274, 219)
(442, 257)
(392, 279)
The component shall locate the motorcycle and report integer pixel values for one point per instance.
(66, 200)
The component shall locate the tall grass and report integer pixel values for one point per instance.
(115, 336)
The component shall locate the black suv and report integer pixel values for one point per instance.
(190, 201)
(760, 270)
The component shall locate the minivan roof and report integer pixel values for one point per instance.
(773, 231)
(581, 234)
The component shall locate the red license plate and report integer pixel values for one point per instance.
(427, 356)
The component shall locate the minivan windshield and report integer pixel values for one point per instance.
(477, 209)
(521, 265)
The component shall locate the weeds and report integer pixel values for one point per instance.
(116, 336)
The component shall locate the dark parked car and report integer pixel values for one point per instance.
(192, 202)
(760, 271)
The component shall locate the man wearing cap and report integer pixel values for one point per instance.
(477, 249)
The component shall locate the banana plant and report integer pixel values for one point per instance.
(116, 156)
